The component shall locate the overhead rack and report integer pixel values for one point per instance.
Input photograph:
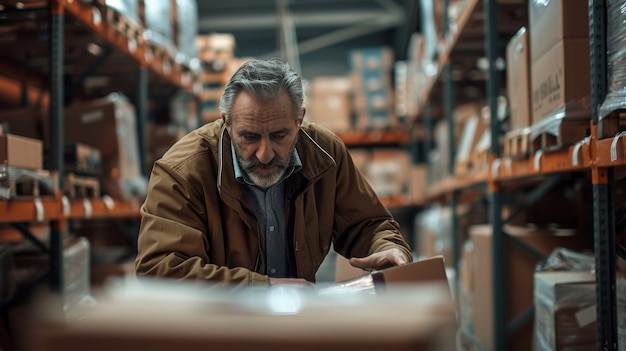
(484, 24)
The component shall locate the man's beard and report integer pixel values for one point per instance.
(265, 180)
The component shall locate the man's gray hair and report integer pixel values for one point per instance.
(264, 80)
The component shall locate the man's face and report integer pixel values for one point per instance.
(264, 134)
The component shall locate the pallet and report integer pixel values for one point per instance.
(16, 183)
(463, 168)
(570, 131)
(159, 53)
(611, 124)
(516, 144)
(81, 187)
(480, 160)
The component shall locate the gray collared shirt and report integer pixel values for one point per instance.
(268, 205)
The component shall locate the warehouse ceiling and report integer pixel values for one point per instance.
(324, 30)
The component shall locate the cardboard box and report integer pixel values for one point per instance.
(26, 122)
(432, 269)
(329, 103)
(473, 129)
(373, 80)
(519, 270)
(553, 21)
(216, 45)
(374, 58)
(518, 80)
(418, 181)
(21, 152)
(561, 78)
(82, 159)
(169, 315)
(565, 311)
(434, 233)
(108, 124)
(387, 171)
(345, 271)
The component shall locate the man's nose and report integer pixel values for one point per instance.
(265, 153)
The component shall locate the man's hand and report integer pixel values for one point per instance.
(380, 260)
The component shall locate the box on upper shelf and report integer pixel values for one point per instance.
(329, 103)
(21, 152)
(518, 80)
(108, 124)
(372, 58)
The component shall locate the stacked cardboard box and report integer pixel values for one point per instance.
(518, 80)
(108, 124)
(21, 152)
(373, 92)
(217, 56)
(216, 46)
(565, 311)
(387, 170)
(476, 279)
(330, 104)
(560, 71)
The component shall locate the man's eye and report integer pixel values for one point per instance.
(250, 137)
(279, 136)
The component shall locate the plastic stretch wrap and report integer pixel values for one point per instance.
(551, 124)
(187, 14)
(128, 8)
(562, 259)
(76, 278)
(18, 176)
(434, 232)
(565, 302)
(616, 57)
(159, 24)
(429, 31)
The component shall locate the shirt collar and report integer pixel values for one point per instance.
(295, 165)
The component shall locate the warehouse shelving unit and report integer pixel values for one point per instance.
(134, 67)
(594, 157)
(380, 138)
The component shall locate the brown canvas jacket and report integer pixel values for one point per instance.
(198, 224)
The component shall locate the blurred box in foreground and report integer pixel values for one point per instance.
(169, 315)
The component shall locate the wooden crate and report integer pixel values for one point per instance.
(516, 144)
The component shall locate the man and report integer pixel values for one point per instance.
(259, 196)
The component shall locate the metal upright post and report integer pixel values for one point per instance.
(490, 9)
(141, 109)
(428, 141)
(56, 136)
(602, 183)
